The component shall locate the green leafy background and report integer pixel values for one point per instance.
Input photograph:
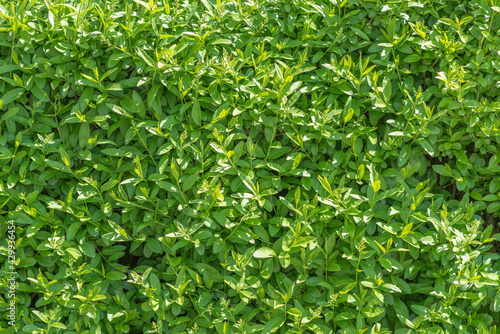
(251, 167)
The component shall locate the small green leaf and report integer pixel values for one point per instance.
(404, 155)
(115, 276)
(152, 94)
(189, 182)
(493, 207)
(175, 173)
(264, 253)
(296, 160)
(40, 94)
(348, 115)
(440, 169)
(64, 156)
(84, 134)
(272, 324)
(12, 95)
(196, 113)
(11, 112)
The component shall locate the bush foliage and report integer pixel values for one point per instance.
(222, 166)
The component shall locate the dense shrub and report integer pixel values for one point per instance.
(265, 166)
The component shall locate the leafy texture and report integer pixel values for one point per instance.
(220, 166)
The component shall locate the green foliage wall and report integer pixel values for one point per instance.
(224, 166)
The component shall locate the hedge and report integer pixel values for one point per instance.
(226, 166)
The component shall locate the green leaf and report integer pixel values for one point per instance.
(496, 302)
(75, 253)
(493, 207)
(8, 68)
(264, 253)
(440, 169)
(72, 230)
(348, 115)
(11, 112)
(196, 113)
(57, 165)
(152, 94)
(462, 157)
(115, 276)
(64, 156)
(12, 95)
(84, 134)
(386, 264)
(272, 324)
(296, 160)
(154, 245)
(427, 147)
(189, 182)
(175, 172)
(404, 155)
(211, 271)
(494, 186)
(40, 94)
